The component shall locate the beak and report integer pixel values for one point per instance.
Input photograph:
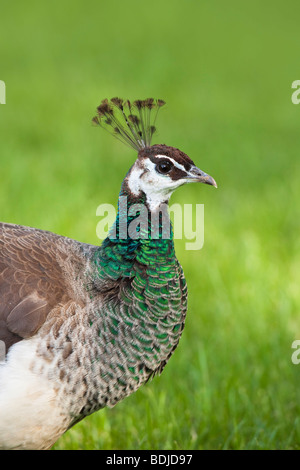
(198, 176)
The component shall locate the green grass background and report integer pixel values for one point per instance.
(225, 70)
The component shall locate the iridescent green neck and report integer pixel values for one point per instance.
(138, 235)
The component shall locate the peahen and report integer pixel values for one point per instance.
(85, 326)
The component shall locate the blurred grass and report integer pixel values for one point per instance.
(225, 70)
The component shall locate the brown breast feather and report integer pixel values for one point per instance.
(33, 279)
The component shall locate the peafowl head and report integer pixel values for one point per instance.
(159, 169)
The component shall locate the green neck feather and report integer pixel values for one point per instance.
(138, 235)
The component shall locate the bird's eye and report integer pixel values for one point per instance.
(164, 167)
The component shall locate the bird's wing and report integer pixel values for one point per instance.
(33, 279)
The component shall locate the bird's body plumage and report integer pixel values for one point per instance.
(84, 323)
(85, 326)
(88, 324)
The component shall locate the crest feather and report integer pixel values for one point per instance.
(132, 123)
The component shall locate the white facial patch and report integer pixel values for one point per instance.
(157, 187)
(133, 180)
